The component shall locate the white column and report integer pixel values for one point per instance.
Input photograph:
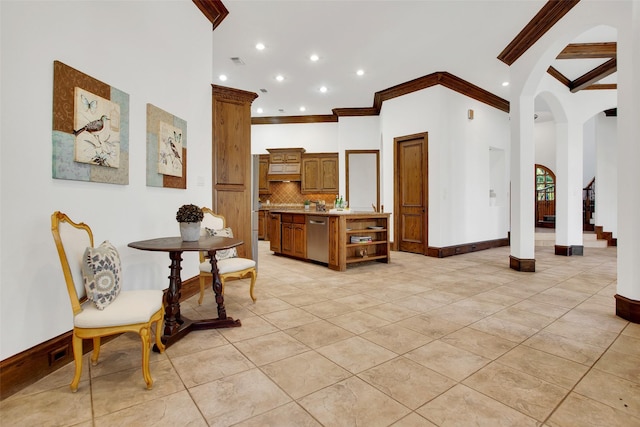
(569, 147)
(628, 168)
(522, 181)
(607, 173)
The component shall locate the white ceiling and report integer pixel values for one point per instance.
(393, 41)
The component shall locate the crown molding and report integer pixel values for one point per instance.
(233, 94)
(281, 120)
(443, 78)
(354, 112)
(214, 10)
(546, 18)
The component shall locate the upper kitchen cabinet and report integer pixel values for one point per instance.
(285, 155)
(320, 173)
(284, 164)
(263, 182)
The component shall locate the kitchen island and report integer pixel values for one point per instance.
(334, 238)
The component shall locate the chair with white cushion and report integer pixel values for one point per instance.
(230, 266)
(93, 277)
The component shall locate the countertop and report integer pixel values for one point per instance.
(329, 212)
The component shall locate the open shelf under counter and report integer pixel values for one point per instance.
(362, 224)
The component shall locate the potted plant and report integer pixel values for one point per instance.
(307, 203)
(189, 217)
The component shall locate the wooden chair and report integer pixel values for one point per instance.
(229, 268)
(131, 311)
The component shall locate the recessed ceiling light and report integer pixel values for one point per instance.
(360, 72)
(303, 108)
(222, 77)
(314, 57)
(259, 110)
(323, 89)
(279, 77)
(260, 46)
(505, 84)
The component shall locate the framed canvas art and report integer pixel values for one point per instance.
(90, 128)
(166, 149)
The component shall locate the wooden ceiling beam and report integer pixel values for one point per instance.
(602, 86)
(553, 72)
(214, 10)
(594, 75)
(546, 18)
(589, 51)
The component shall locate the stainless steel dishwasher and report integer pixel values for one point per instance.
(318, 238)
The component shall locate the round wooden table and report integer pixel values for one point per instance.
(176, 326)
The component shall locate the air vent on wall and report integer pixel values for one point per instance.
(236, 60)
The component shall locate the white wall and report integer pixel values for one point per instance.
(589, 151)
(544, 137)
(313, 137)
(460, 165)
(158, 53)
(606, 136)
(459, 162)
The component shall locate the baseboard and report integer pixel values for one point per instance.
(29, 366)
(563, 250)
(628, 309)
(521, 264)
(464, 248)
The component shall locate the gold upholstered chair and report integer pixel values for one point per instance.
(230, 266)
(110, 311)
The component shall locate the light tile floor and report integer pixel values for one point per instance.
(457, 341)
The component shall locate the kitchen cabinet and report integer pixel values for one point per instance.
(320, 173)
(356, 237)
(294, 235)
(274, 232)
(263, 182)
(285, 155)
(263, 225)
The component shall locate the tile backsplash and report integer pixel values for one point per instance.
(289, 193)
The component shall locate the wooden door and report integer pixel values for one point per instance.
(411, 193)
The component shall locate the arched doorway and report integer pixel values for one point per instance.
(545, 197)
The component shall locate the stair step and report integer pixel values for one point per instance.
(589, 240)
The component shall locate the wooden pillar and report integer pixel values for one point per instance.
(231, 161)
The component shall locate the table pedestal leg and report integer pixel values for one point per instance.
(217, 286)
(172, 319)
(175, 326)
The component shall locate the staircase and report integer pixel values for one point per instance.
(547, 237)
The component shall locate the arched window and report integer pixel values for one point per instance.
(545, 183)
(545, 197)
